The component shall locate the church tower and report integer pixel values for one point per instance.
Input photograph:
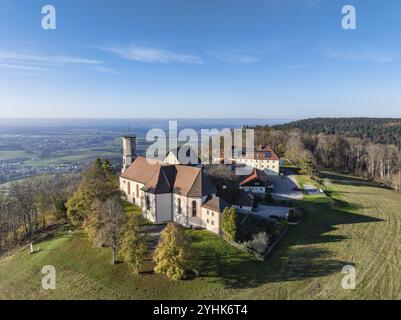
(129, 151)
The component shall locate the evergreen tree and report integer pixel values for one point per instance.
(229, 223)
(308, 167)
(174, 255)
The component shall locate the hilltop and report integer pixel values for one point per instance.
(356, 224)
(378, 130)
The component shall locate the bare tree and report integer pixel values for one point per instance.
(113, 220)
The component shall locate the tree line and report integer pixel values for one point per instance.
(30, 206)
(91, 202)
(360, 155)
(377, 130)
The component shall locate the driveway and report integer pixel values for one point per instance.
(267, 211)
(283, 188)
(152, 232)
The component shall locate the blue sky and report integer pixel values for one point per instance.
(200, 59)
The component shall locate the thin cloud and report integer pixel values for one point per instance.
(296, 66)
(234, 57)
(369, 55)
(22, 67)
(101, 69)
(47, 60)
(152, 55)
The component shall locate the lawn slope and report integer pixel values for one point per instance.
(358, 224)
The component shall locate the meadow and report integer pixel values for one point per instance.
(357, 224)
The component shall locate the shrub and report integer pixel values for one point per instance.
(295, 215)
(259, 242)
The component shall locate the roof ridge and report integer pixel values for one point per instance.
(193, 182)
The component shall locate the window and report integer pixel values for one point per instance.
(194, 208)
(212, 223)
(212, 214)
(129, 188)
(137, 190)
(207, 220)
(207, 212)
(179, 210)
(147, 203)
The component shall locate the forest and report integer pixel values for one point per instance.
(364, 146)
(378, 130)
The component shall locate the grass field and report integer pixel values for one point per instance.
(358, 224)
(8, 155)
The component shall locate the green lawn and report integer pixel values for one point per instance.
(359, 224)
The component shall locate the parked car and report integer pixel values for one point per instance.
(296, 189)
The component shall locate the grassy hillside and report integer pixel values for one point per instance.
(358, 224)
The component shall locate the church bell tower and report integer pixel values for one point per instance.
(129, 151)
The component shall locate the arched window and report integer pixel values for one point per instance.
(179, 210)
(147, 203)
(194, 208)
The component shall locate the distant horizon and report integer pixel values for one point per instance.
(199, 60)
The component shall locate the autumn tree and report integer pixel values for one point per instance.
(93, 223)
(133, 244)
(226, 182)
(98, 183)
(174, 256)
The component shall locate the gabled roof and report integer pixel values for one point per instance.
(215, 203)
(162, 181)
(141, 170)
(255, 175)
(163, 178)
(192, 182)
(189, 152)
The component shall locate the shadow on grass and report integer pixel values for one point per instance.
(294, 259)
(343, 179)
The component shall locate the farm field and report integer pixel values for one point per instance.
(357, 224)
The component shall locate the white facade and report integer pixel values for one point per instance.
(212, 220)
(129, 151)
(159, 208)
(254, 189)
(171, 158)
(270, 167)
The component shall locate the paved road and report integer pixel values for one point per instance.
(283, 188)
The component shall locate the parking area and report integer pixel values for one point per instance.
(312, 190)
(285, 188)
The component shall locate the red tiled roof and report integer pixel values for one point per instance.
(163, 178)
(256, 174)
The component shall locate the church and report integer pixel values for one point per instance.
(168, 191)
